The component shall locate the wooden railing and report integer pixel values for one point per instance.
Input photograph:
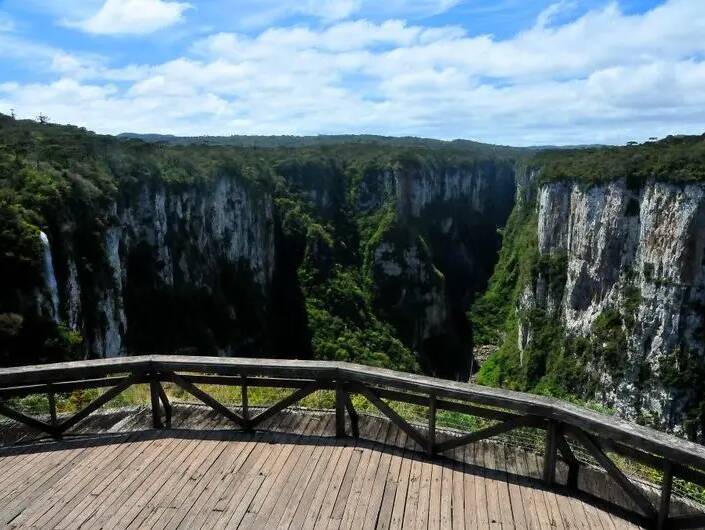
(562, 422)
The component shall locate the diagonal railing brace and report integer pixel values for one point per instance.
(390, 413)
(94, 405)
(284, 403)
(209, 400)
(617, 475)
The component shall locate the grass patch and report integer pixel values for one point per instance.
(528, 439)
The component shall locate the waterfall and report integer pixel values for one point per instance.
(49, 277)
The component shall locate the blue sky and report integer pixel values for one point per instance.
(518, 72)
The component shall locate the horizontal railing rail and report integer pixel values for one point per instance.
(597, 434)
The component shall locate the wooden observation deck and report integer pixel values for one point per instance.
(531, 462)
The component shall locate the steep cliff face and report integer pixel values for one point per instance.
(368, 251)
(163, 252)
(635, 262)
(599, 294)
(436, 252)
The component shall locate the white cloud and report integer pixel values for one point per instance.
(344, 36)
(549, 14)
(263, 13)
(605, 77)
(91, 67)
(133, 17)
(328, 9)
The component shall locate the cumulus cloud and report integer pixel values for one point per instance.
(548, 15)
(261, 13)
(604, 77)
(133, 17)
(329, 9)
(344, 36)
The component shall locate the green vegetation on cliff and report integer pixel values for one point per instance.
(493, 314)
(673, 159)
(619, 329)
(334, 201)
(548, 361)
(678, 159)
(62, 180)
(338, 299)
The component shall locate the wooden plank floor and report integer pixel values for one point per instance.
(119, 474)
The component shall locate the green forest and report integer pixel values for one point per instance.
(62, 179)
(339, 203)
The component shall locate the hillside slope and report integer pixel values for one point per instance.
(359, 251)
(599, 293)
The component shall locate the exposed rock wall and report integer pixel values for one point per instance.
(437, 253)
(171, 239)
(199, 266)
(639, 253)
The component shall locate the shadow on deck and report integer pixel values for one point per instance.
(117, 472)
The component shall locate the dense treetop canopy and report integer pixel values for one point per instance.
(674, 159)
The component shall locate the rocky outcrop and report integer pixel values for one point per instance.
(437, 253)
(166, 239)
(639, 254)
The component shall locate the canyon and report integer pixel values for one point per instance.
(585, 284)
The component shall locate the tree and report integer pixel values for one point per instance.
(12, 114)
(42, 119)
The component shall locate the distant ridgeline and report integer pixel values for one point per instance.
(367, 249)
(320, 141)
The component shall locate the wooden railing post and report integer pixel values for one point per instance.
(52, 405)
(431, 447)
(570, 459)
(666, 488)
(154, 392)
(245, 403)
(550, 453)
(52, 412)
(601, 436)
(339, 409)
(164, 399)
(353, 415)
